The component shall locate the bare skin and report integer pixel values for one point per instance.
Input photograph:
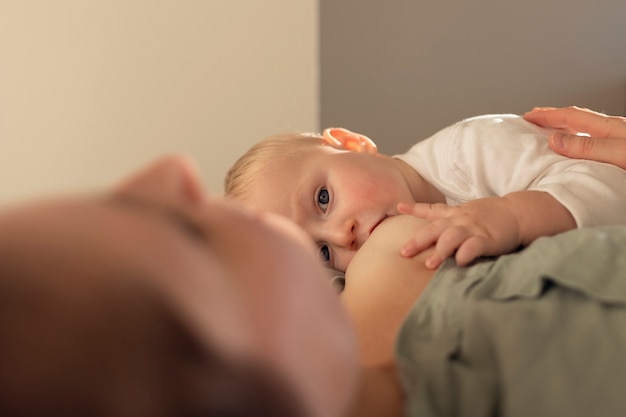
(605, 139)
(159, 227)
(381, 287)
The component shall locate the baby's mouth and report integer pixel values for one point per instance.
(377, 224)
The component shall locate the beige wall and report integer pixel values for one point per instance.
(400, 70)
(90, 89)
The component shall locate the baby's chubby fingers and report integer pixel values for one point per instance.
(425, 210)
(470, 249)
(449, 241)
(428, 235)
(423, 239)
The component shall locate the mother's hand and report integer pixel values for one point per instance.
(607, 134)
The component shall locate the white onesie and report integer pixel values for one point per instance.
(494, 155)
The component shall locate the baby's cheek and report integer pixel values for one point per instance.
(368, 190)
(378, 195)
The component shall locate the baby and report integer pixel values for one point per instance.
(488, 185)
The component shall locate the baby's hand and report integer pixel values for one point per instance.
(481, 227)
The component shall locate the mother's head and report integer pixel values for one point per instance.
(153, 297)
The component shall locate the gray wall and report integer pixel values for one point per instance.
(400, 70)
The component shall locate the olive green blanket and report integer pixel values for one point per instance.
(538, 333)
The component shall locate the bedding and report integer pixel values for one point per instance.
(538, 333)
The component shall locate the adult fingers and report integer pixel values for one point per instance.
(575, 119)
(610, 150)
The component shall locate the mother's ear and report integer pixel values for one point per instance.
(344, 139)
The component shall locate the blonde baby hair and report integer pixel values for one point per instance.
(240, 177)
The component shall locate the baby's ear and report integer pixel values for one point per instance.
(341, 138)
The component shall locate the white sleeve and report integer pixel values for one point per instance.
(593, 192)
(495, 155)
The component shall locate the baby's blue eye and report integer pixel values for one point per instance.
(323, 198)
(325, 254)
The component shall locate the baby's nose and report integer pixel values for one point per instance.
(344, 235)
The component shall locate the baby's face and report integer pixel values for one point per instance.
(249, 283)
(337, 196)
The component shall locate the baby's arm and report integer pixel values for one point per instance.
(485, 227)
